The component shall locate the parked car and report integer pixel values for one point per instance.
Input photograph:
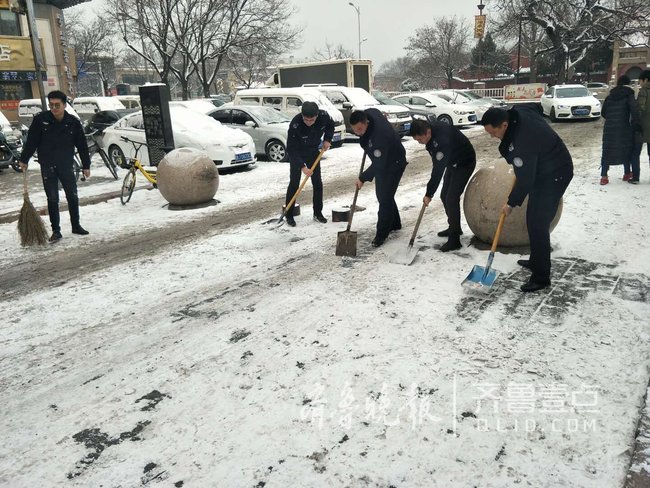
(200, 105)
(478, 103)
(86, 107)
(597, 89)
(348, 99)
(570, 102)
(105, 118)
(266, 126)
(227, 147)
(11, 144)
(415, 113)
(28, 107)
(129, 101)
(448, 113)
(289, 100)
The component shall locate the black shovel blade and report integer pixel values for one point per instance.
(346, 243)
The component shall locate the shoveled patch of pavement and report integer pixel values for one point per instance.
(638, 474)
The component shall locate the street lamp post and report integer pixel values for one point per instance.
(358, 24)
(518, 54)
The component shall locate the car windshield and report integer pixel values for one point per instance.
(268, 115)
(572, 92)
(470, 94)
(359, 97)
(385, 99)
(321, 100)
(444, 96)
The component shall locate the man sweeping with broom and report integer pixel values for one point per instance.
(55, 134)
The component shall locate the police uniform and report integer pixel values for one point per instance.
(453, 155)
(303, 144)
(56, 141)
(384, 148)
(543, 170)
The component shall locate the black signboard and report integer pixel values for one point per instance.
(157, 121)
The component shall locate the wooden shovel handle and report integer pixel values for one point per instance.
(356, 193)
(304, 181)
(25, 190)
(502, 219)
(417, 225)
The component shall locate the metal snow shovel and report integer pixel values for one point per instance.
(482, 278)
(346, 241)
(407, 257)
(280, 221)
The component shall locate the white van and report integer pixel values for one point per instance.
(86, 107)
(289, 101)
(129, 101)
(30, 106)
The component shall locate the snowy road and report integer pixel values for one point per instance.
(201, 349)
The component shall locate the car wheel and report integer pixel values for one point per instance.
(116, 155)
(446, 119)
(552, 115)
(276, 151)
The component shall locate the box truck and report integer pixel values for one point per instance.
(343, 72)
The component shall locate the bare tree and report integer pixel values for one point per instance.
(440, 48)
(332, 52)
(572, 27)
(90, 39)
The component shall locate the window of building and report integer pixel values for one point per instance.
(9, 24)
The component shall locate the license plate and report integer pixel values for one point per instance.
(242, 156)
(407, 126)
(581, 112)
(337, 137)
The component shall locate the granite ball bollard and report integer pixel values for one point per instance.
(485, 195)
(187, 176)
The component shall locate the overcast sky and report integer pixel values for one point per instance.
(386, 24)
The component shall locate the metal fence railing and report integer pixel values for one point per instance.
(484, 92)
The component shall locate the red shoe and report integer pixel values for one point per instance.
(627, 176)
(604, 180)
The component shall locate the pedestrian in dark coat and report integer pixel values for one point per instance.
(384, 147)
(55, 134)
(454, 157)
(306, 131)
(621, 114)
(543, 170)
(642, 135)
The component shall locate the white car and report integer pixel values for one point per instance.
(446, 112)
(267, 127)
(227, 147)
(476, 102)
(570, 102)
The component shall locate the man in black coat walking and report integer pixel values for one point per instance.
(454, 157)
(55, 134)
(303, 140)
(543, 170)
(384, 148)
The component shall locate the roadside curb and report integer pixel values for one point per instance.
(638, 474)
(9, 217)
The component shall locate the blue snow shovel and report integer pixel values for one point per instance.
(482, 278)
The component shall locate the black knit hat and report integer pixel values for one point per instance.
(309, 109)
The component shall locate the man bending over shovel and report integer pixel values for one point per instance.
(543, 170)
(305, 133)
(384, 148)
(452, 155)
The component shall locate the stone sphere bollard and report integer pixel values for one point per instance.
(485, 195)
(187, 176)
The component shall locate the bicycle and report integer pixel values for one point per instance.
(133, 165)
(95, 148)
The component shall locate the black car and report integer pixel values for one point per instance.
(414, 112)
(105, 118)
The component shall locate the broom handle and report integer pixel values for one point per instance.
(25, 191)
(304, 181)
(417, 225)
(356, 194)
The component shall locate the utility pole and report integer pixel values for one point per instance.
(518, 54)
(358, 24)
(36, 50)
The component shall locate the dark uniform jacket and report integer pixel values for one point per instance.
(303, 141)
(56, 141)
(622, 120)
(534, 150)
(449, 148)
(382, 145)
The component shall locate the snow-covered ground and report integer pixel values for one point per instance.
(259, 358)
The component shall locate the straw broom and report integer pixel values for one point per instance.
(30, 224)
